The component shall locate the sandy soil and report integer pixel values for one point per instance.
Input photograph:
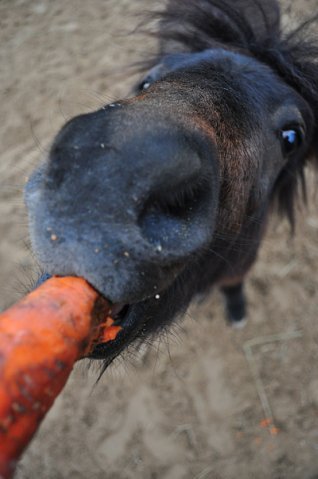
(189, 407)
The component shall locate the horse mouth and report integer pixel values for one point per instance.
(118, 311)
(128, 316)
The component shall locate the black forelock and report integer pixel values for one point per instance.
(197, 25)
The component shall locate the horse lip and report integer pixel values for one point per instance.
(131, 326)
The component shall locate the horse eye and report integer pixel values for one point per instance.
(145, 85)
(291, 140)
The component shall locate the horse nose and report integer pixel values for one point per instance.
(153, 177)
(123, 203)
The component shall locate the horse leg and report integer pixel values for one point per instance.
(235, 304)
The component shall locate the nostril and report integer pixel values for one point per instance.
(172, 216)
(180, 203)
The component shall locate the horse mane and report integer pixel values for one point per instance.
(252, 27)
(202, 22)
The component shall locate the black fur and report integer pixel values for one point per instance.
(235, 303)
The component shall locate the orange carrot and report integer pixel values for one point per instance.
(40, 339)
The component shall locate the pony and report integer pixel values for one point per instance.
(161, 196)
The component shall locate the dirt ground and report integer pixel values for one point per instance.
(192, 406)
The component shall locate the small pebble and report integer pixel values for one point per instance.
(53, 237)
(126, 254)
(97, 250)
(157, 296)
(102, 145)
